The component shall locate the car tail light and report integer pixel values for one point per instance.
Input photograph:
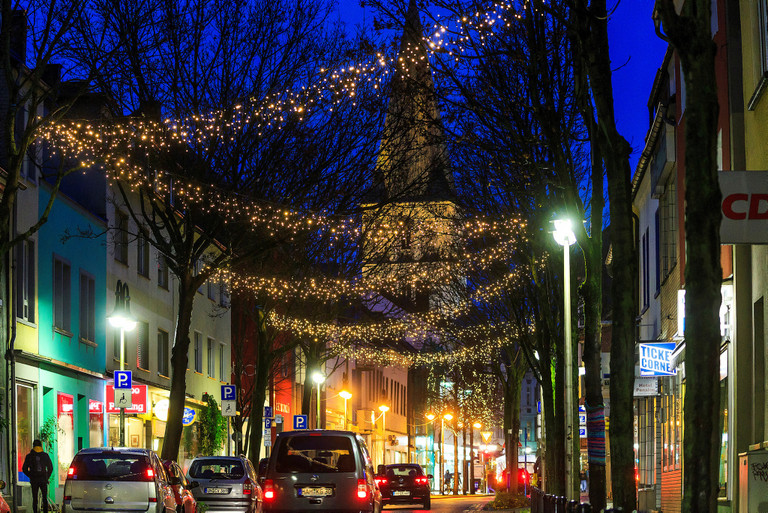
(269, 489)
(153, 499)
(380, 480)
(67, 497)
(71, 471)
(362, 489)
(422, 480)
(150, 474)
(247, 487)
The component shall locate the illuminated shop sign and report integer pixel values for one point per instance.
(656, 359)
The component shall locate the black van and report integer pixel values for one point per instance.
(315, 471)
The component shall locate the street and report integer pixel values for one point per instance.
(447, 504)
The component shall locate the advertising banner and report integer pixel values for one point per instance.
(744, 207)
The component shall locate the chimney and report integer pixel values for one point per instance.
(19, 35)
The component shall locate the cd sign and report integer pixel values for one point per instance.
(656, 359)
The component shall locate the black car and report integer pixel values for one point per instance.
(404, 483)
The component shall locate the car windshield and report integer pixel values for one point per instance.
(214, 468)
(110, 466)
(403, 470)
(316, 454)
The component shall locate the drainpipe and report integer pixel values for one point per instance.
(11, 361)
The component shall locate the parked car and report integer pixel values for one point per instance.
(404, 483)
(117, 479)
(314, 471)
(182, 488)
(226, 484)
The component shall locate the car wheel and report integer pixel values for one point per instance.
(428, 503)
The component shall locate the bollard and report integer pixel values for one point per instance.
(584, 508)
(560, 503)
(614, 510)
(571, 506)
(549, 504)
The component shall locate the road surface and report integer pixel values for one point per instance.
(448, 504)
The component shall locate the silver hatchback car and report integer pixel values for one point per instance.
(117, 480)
(314, 471)
(227, 484)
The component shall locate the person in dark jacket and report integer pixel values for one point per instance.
(38, 468)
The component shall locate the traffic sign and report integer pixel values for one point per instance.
(228, 408)
(123, 397)
(582, 431)
(267, 423)
(300, 422)
(278, 419)
(267, 442)
(123, 379)
(267, 411)
(228, 393)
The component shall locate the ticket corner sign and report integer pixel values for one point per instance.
(656, 359)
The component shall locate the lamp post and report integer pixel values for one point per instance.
(447, 417)
(318, 377)
(122, 319)
(486, 437)
(431, 417)
(384, 409)
(347, 395)
(565, 237)
(475, 425)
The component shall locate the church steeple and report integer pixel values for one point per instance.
(413, 158)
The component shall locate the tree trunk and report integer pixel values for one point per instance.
(258, 398)
(690, 33)
(179, 361)
(592, 30)
(512, 387)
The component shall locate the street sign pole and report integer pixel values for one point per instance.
(122, 368)
(229, 439)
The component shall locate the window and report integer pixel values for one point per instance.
(162, 272)
(142, 254)
(95, 423)
(121, 237)
(163, 351)
(760, 60)
(87, 308)
(668, 221)
(211, 359)
(25, 280)
(211, 290)
(198, 270)
(657, 249)
(198, 353)
(142, 346)
(65, 436)
(646, 271)
(62, 295)
(223, 296)
(222, 376)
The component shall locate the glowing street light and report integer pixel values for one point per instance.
(475, 425)
(346, 395)
(384, 409)
(122, 319)
(565, 237)
(318, 377)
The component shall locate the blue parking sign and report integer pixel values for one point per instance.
(123, 379)
(300, 422)
(228, 393)
(267, 423)
(267, 411)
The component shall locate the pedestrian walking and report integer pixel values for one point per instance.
(38, 468)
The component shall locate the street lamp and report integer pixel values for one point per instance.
(565, 237)
(347, 395)
(475, 425)
(431, 416)
(384, 409)
(122, 319)
(318, 377)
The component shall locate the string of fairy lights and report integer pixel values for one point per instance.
(120, 149)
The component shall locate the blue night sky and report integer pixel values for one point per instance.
(636, 53)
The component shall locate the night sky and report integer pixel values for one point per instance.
(636, 53)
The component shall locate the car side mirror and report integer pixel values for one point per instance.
(192, 485)
(380, 470)
(430, 476)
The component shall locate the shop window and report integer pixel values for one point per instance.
(26, 428)
(142, 346)
(142, 254)
(65, 439)
(25, 280)
(723, 463)
(62, 295)
(95, 423)
(163, 351)
(162, 272)
(87, 308)
(211, 359)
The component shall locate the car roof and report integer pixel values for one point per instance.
(126, 450)
(219, 458)
(316, 432)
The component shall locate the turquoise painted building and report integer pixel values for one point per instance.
(60, 375)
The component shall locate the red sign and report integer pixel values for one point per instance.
(94, 406)
(138, 396)
(739, 206)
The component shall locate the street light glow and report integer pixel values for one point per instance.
(384, 408)
(346, 394)
(318, 377)
(448, 416)
(564, 232)
(431, 416)
(477, 425)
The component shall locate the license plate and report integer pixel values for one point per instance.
(216, 490)
(316, 491)
(401, 493)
